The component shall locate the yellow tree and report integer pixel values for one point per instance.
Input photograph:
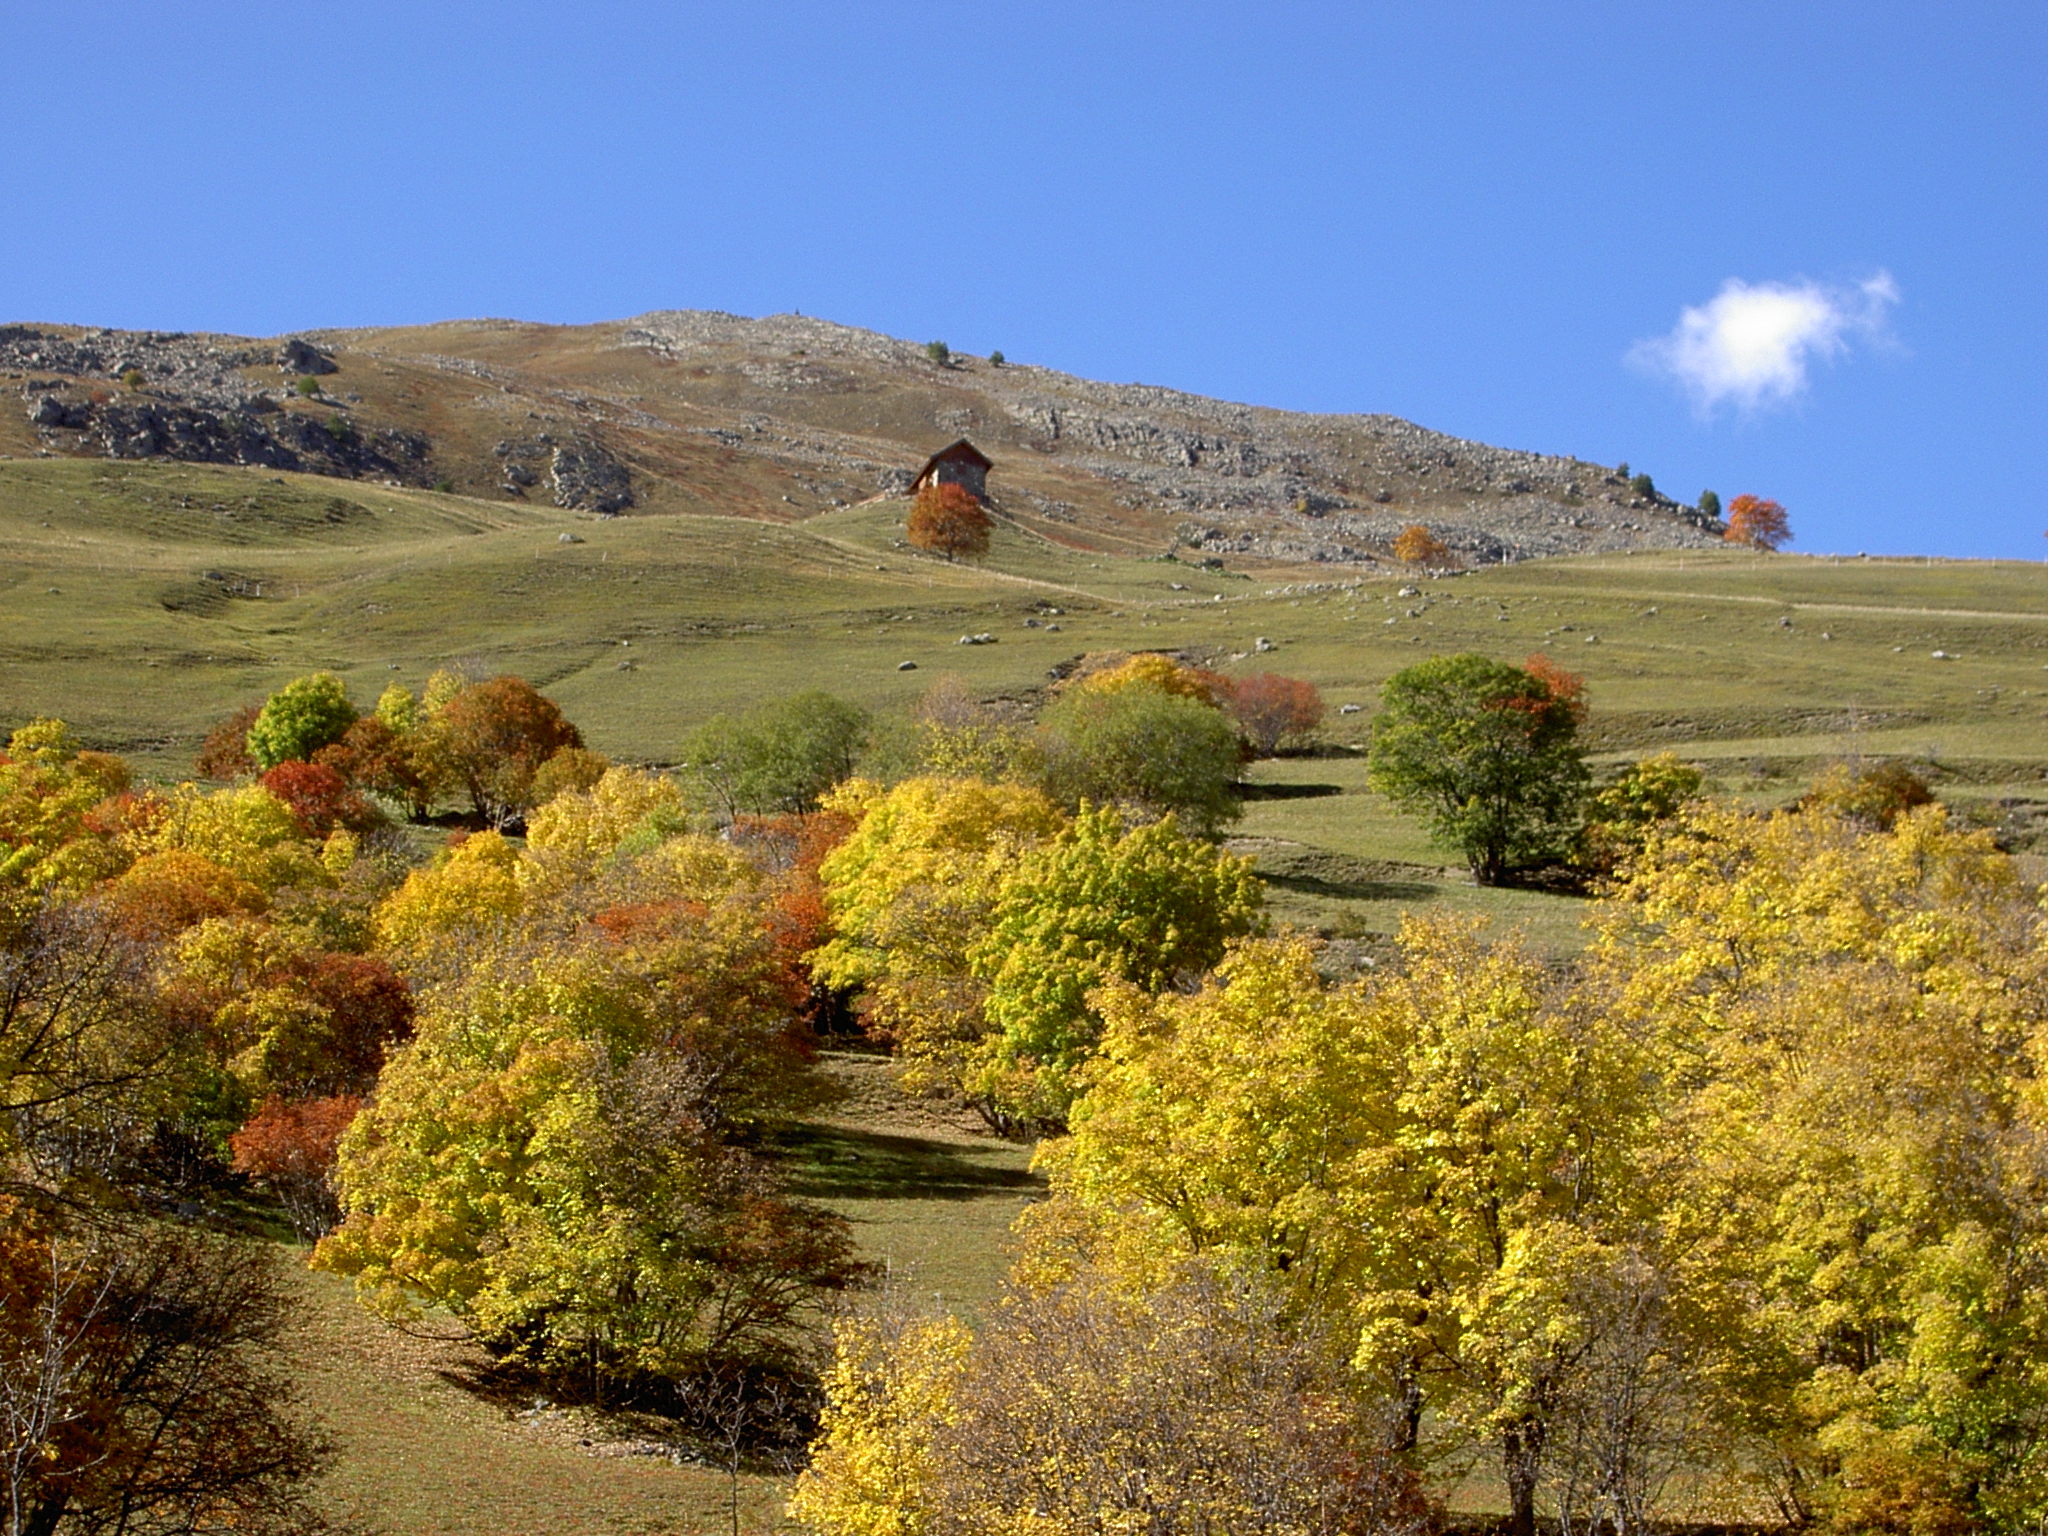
(1446, 1163)
(909, 893)
(1854, 1017)
(1099, 903)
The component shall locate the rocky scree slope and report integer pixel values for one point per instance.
(788, 417)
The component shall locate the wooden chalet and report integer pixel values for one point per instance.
(961, 464)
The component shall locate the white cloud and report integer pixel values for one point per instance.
(1752, 342)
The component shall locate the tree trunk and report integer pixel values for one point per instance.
(1521, 1450)
(43, 1517)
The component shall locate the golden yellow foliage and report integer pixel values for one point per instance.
(471, 890)
(1149, 669)
(891, 1388)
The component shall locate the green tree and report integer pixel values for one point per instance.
(1488, 753)
(1149, 906)
(299, 719)
(1710, 504)
(780, 756)
(1150, 752)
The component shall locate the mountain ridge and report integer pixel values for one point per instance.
(787, 416)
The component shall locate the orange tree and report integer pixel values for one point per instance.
(1758, 523)
(947, 520)
(1416, 545)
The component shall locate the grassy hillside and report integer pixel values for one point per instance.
(145, 601)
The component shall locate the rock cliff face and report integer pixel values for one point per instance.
(149, 395)
(786, 417)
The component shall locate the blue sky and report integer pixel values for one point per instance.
(1488, 218)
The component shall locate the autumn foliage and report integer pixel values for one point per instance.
(1758, 523)
(947, 520)
(291, 1148)
(1416, 545)
(1271, 710)
(319, 798)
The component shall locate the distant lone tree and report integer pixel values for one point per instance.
(938, 352)
(947, 520)
(1756, 522)
(1416, 545)
(1710, 504)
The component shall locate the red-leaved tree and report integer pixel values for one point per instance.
(1758, 523)
(319, 798)
(1270, 710)
(947, 520)
(290, 1147)
(1567, 689)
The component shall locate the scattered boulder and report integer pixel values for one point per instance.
(984, 638)
(906, 666)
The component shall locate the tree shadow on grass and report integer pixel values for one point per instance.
(1356, 890)
(837, 1163)
(1287, 791)
(1321, 873)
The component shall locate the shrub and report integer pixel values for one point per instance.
(1270, 709)
(224, 754)
(1150, 669)
(1877, 796)
(938, 352)
(1145, 750)
(307, 385)
(780, 756)
(1710, 505)
(1621, 814)
(1642, 485)
(132, 377)
(996, 358)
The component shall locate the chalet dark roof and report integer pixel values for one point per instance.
(959, 451)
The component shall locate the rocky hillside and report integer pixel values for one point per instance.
(785, 417)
